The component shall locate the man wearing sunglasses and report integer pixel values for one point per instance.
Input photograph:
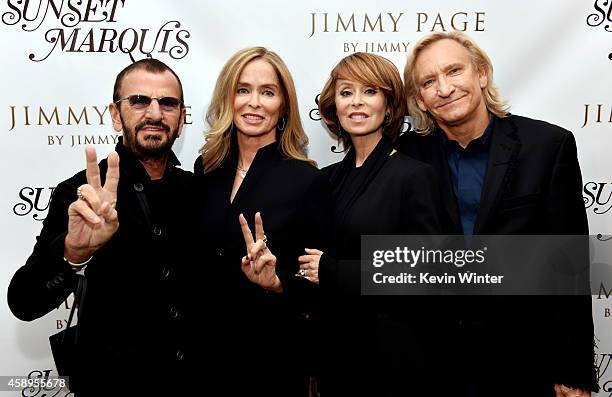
(119, 222)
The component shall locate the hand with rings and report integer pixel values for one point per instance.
(259, 264)
(309, 265)
(92, 218)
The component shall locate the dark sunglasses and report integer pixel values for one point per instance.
(141, 102)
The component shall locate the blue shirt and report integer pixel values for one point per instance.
(467, 169)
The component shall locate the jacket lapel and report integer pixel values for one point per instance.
(449, 200)
(440, 164)
(265, 158)
(503, 153)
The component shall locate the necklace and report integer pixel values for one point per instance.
(242, 171)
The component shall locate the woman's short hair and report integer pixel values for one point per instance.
(371, 70)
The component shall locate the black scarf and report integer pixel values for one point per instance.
(348, 183)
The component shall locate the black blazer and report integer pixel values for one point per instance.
(256, 348)
(532, 186)
(369, 344)
(399, 198)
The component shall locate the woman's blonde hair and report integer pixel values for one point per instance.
(423, 122)
(292, 139)
(371, 70)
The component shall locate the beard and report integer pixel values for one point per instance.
(149, 146)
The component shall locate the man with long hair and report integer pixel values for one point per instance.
(500, 174)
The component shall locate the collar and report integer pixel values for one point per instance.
(265, 154)
(482, 141)
(270, 150)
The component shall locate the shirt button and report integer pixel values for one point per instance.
(220, 251)
(179, 355)
(138, 187)
(157, 231)
(165, 273)
(173, 312)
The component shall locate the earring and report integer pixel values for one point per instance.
(386, 119)
(341, 133)
(342, 136)
(281, 127)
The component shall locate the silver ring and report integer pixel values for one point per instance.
(80, 194)
(302, 272)
(265, 239)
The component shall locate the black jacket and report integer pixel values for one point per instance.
(532, 186)
(370, 344)
(389, 194)
(256, 334)
(133, 318)
(532, 183)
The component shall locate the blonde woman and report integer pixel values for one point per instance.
(254, 170)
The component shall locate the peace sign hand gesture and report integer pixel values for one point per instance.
(259, 265)
(92, 218)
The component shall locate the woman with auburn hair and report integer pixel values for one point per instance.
(254, 175)
(375, 191)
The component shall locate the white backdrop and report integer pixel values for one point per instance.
(553, 61)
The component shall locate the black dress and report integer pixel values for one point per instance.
(389, 194)
(257, 346)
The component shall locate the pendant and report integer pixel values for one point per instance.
(242, 172)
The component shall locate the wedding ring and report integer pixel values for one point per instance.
(113, 203)
(302, 272)
(80, 194)
(265, 239)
